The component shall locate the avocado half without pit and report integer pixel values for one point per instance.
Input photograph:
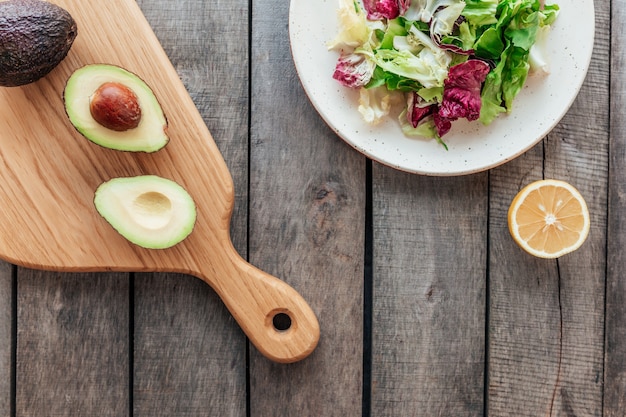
(148, 210)
(116, 109)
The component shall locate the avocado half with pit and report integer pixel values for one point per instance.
(150, 211)
(116, 109)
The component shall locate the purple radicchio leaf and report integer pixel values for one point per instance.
(404, 6)
(436, 37)
(461, 93)
(353, 70)
(442, 125)
(418, 109)
(448, 46)
(385, 9)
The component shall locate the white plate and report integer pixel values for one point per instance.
(473, 147)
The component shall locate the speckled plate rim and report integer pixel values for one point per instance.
(472, 147)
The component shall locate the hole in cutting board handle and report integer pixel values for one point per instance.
(281, 321)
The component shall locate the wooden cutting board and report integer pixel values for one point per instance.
(49, 172)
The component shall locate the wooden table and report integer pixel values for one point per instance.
(426, 305)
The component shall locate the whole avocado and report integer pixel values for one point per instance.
(35, 36)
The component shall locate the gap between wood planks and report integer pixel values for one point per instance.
(368, 278)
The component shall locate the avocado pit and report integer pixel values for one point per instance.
(115, 106)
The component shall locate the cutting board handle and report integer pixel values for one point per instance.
(274, 316)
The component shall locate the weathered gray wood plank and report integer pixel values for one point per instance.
(546, 316)
(428, 294)
(72, 344)
(524, 307)
(615, 351)
(6, 336)
(189, 354)
(307, 200)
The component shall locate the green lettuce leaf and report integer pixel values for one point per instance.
(508, 43)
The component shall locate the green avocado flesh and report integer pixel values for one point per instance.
(148, 210)
(151, 133)
(35, 36)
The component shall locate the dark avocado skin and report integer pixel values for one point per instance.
(35, 36)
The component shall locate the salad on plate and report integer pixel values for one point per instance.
(438, 61)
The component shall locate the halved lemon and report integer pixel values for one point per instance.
(549, 218)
